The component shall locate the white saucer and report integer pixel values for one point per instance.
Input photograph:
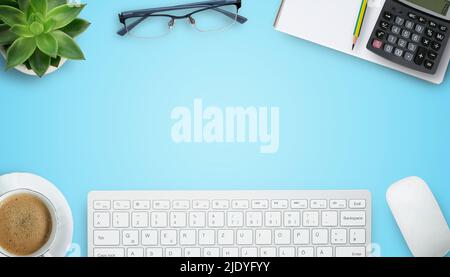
(64, 232)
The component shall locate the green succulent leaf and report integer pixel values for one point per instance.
(47, 43)
(39, 62)
(6, 36)
(10, 3)
(39, 6)
(24, 4)
(22, 31)
(20, 51)
(55, 3)
(55, 61)
(64, 14)
(76, 27)
(12, 16)
(36, 28)
(49, 25)
(67, 47)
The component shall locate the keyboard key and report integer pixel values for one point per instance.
(240, 204)
(408, 56)
(392, 39)
(139, 220)
(200, 204)
(260, 204)
(161, 204)
(254, 219)
(301, 236)
(197, 219)
(338, 236)
(415, 38)
(388, 16)
(154, 252)
(106, 237)
(396, 30)
(422, 20)
(187, 237)
(310, 219)
(377, 44)
(380, 34)
(409, 25)
(429, 64)
(398, 52)
(141, 205)
(206, 237)
(273, 219)
(432, 55)
(268, 252)
(180, 204)
(173, 252)
(291, 219)
(230, 252)
(406, 34)
(435, 46)
(149, 237)
(102, 205)
(121, 220)
(305, 252)
(283, 236)
(353, 218)
(244, 237)
(350, 251)
(211, 252)
(329, 219)
(225, 237)
(388, 48)
(432, 24)
(216, 219)
(399, 20)
(192, 252)
(235, 219)
(221, 204)
(429, 33)
(412, 16)
(130, 237)
(177, 219)
(101, 220)
(135, 252)
(121, 205)
(286, 252)
(357, 204)
(384, 25)
(263, 237)
(319, 236)
(443, 28)
(440, 37)
(339, 204)
(299, 204)
(319, 204)
(419, 29)
(402, 43)
(168, 237)
(357, 236)
(412, 47)
(420, 56)
(324, 252)
(109, 252)
(158, 219)
(279, 204)
(426, 41)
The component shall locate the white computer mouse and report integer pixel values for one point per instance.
(419, 217)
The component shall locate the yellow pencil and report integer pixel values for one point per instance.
(359, 22)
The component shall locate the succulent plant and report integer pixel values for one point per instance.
(38, 33)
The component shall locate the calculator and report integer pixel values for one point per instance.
(412, 33)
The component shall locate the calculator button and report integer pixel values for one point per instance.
(412, 16)
(412, 47)
(387, 16)
(432, 55)
(406, 33)
(380, 34)
(428, 64)
(419, 28)
(426, 42)
(388, 48)
(415, 38)
(429, 33)
(384, 25)
(440, 36)
(399, 20)
(398, 52)
(409, 24)
(432, 24)
(402, 43)
(396, 30)
(443, 28)
(377, 43)
(409, 57)
(436, 46)
(422, 19)
(420, 56)
(392, 39)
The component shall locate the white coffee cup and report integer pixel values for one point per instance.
(44, 250)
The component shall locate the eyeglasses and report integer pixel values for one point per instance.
(203, 16)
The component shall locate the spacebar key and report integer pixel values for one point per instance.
(350, 251)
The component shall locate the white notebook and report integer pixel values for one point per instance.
(335, 19)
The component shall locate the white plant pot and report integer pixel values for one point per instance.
(22, 68)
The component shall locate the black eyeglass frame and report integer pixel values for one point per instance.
(206, 5)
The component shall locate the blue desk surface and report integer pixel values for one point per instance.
(105, 123)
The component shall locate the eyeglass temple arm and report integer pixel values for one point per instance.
(240, 19)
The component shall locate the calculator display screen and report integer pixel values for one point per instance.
(440, 7)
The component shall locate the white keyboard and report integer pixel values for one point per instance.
(229, 223)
